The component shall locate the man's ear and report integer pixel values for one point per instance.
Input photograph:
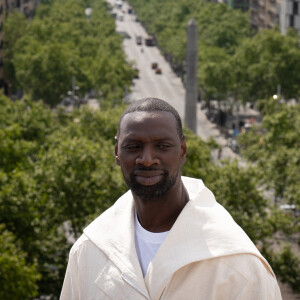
(116, 152)
(183, 149)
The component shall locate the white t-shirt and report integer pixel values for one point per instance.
(147, 244)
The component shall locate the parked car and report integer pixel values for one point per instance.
(290, 209)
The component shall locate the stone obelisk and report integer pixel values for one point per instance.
(191, 76)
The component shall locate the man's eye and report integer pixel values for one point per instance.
(132, 147)
(162, 146)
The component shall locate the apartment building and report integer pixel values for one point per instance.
(268, 13)
(26, 7)
(290, 15)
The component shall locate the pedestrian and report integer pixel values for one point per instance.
(220, 152)
(167, 237)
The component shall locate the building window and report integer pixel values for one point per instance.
(291, 21)
(295, 8)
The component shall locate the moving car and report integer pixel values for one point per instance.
(149, 41)
(138, 40)
(154, 65)
(158, 71)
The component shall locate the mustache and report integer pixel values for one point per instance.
(143, 168)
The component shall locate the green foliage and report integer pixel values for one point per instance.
(236, 189)
(220, 32)
(57, 173)
(60, 43)
(15, 27)
(230, 60)
(286, 264)
(274, 147)
(264, 61)
(17, 278)
(198, 160)
(23, 129)
(214, 72)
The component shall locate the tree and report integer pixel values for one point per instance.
(214, 73)
(274, 146)
(59, 43)
(14, 27)
(265, 61)
(57, 173)
(17, 278)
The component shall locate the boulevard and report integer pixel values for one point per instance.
(167, 86)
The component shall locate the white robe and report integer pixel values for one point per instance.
(206, 255)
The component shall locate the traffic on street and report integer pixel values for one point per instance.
(155, 75)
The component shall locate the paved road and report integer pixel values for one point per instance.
(167, 86)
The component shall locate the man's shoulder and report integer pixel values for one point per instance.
(246, 265)
(81, 242)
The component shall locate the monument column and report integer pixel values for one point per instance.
(191, 76)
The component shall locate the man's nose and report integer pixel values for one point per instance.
(147, 157)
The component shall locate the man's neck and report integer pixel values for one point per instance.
(160, 214)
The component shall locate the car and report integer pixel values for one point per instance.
(149, 41)
(158, 71)
(290, 209)
(139, 40)
(154, 65)
(118, 4)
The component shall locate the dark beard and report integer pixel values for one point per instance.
(152, 192)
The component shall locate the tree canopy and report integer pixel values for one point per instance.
(232, 59)
(60, 43)
(274, 147)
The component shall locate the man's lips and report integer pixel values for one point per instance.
(148, 173)
(148, 178)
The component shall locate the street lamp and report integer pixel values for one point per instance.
(88, 12)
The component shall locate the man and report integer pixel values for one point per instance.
(166, 238)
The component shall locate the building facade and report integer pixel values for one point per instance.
(290, 15)
(27, 7)
(269, 13)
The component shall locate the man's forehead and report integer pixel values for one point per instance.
(145, 116)
(151, 122)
